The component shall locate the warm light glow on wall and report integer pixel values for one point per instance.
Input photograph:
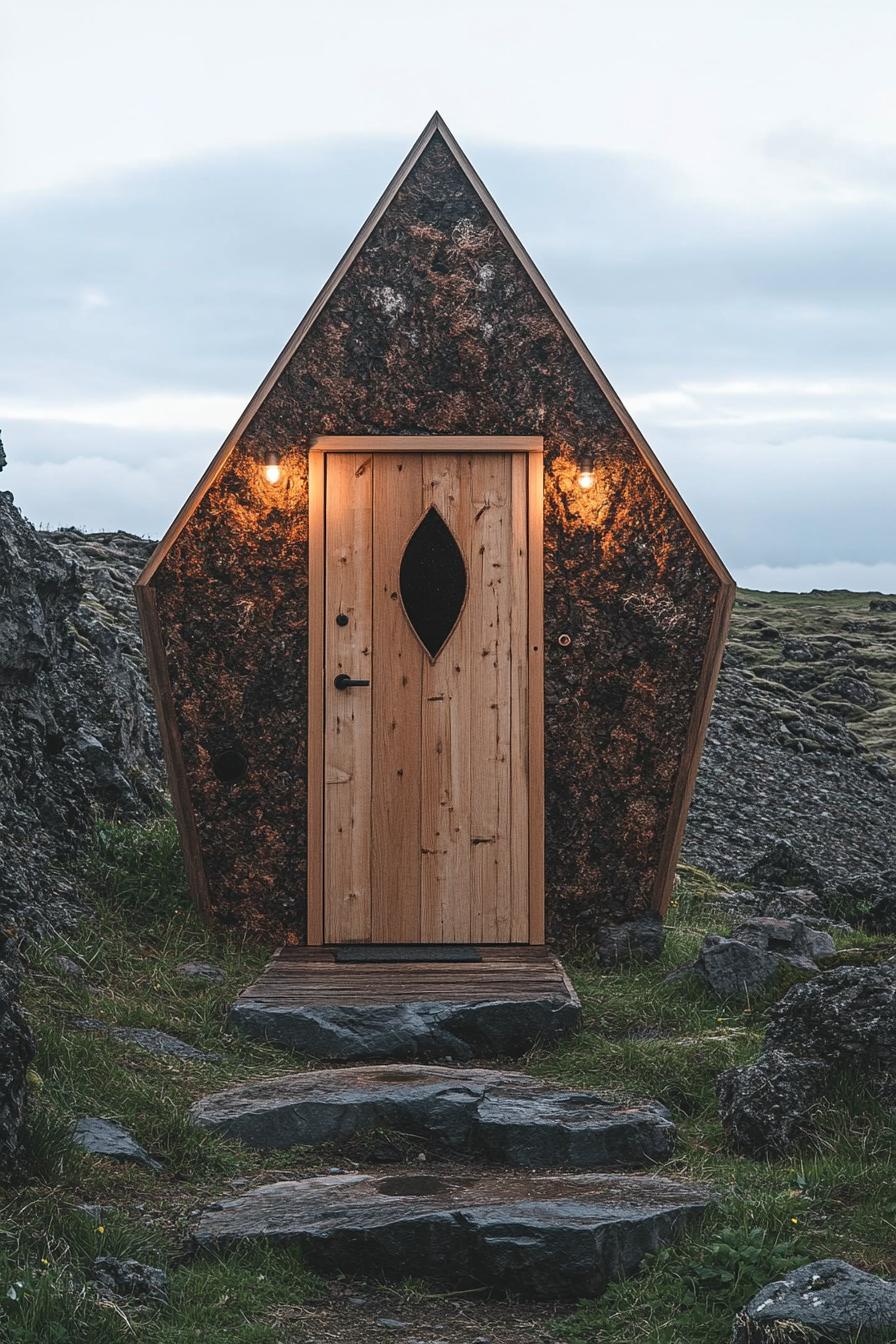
(272, 467)
(585, 468)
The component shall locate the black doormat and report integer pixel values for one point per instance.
(407, 952)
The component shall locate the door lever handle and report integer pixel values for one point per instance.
(343, 681)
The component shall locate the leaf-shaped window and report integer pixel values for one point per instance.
(432, 581)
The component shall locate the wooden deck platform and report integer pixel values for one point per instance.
(312, 977)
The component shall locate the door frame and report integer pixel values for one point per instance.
(412, 443)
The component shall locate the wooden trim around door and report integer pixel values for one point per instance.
(412, 443)
(314, 842)
(535, 506)
(427, 443)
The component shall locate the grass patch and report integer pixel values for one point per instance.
(643, 1037)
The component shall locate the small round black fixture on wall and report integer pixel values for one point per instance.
(230, 765)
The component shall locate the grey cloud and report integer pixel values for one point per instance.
(191, 276)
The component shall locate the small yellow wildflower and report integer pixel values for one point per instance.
(101, 1229)
(794, 1221)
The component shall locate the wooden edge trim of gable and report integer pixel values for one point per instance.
(686, 776)
(177, 775)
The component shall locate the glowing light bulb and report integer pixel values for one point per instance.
(272, 467)
(586, 479)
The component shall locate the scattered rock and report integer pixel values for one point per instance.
(731, 969)
(797, 651)
(200, 970)
(67, 967)
(828, 1300)
(882, 604)
(540, 1236)
(793, 939)
(783, 866)
(767, 1107)
(503, 1117)
(106, 1138)
(799, 903)
(870, 897)
(635, 940)
(748, 961)
(812, 786)
(129, 1278)
(846, 1016)
(147, 1038)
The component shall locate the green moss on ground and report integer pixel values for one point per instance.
(830, 622)
(642, 1037)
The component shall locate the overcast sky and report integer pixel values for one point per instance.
(710, 189)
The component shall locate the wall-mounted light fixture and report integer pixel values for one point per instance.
(272, 466)
(585, 463)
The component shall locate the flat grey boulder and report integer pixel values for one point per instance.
(425, 1030)
(828, 1300)
(503, 1117)
(106, 1138)
(146, 1038)
(541, 1236)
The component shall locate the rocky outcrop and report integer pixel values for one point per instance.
(846, 1016)
(117, 725)
(820, 1303)
(767, 1107)
(76, 725)
(843, 1020)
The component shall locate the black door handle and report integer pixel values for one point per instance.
(343, 681)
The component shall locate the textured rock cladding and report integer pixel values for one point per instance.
(436, 329)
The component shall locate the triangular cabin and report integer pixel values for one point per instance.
(434, 640)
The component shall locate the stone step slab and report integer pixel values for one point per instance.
(424, 1029)
(502, 1117)
(540, 1236)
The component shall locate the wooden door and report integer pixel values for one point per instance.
(431, 777)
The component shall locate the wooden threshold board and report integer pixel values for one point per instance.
(312, 975)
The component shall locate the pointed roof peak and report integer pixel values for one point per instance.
(438, 125)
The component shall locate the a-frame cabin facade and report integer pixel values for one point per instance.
(523, 756)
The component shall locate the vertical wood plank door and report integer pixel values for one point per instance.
(429, 800)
